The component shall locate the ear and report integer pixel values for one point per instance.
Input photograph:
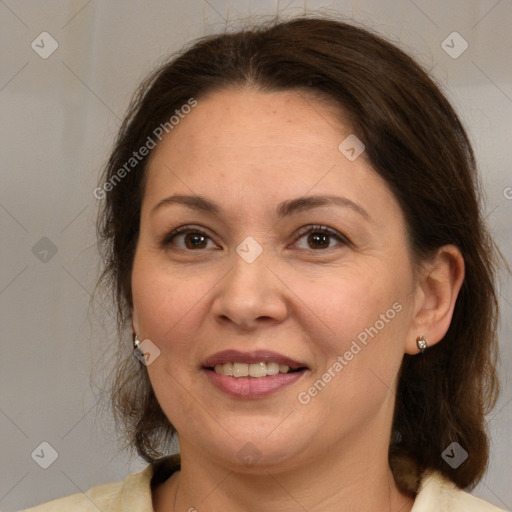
(436, 292)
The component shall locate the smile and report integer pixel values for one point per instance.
(255, 370)
(252, 375)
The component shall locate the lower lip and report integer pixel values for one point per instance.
(251, 388)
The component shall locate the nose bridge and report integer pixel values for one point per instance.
(249, 275)
(250, 291)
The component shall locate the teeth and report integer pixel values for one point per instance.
(255, 370)
(240, 370)
(272, 368)
(258, 370)
(227, 369)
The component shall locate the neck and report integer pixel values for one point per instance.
(324, 484)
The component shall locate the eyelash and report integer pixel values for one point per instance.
(167, 239)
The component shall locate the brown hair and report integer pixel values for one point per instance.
(415, 141)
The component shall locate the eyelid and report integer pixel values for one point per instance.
(167, 238)
(189, 228)
(321, 229)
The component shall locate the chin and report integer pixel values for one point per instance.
(242, 448)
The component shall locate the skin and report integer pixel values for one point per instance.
(249, 151)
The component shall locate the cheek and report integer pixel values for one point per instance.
(358, 322)
(168, 310)
(167, 306)
(339, 305)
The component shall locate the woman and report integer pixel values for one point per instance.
(292, 231)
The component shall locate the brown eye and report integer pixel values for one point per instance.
(320, 237)
(195, 241)
(318, 240)
(187, 238)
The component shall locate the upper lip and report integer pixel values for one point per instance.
(255, 356)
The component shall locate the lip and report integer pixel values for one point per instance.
(255, 356)
(250, 388)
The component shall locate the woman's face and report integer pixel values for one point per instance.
(294, 254)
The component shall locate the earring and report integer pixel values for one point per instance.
(136, 350)
(422, 344)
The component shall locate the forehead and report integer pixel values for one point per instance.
(243, 142)
(253, 128)
(233, 121)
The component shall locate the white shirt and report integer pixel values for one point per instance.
(133, 494)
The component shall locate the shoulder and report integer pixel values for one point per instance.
(132, 493)
(438, 493)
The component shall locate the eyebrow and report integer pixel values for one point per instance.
(284, 209)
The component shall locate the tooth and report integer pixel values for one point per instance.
(255, 370)
(240, 370)
(258, 370)
(227, 369)
(272, 368)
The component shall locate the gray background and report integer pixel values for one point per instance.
(59, 117)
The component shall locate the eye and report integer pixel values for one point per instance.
(314, 238)
(320, 237)
(188, 238)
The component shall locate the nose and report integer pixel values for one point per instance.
(250, 295)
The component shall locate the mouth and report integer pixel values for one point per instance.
(252, 374)
(256, 364)
(254, 370)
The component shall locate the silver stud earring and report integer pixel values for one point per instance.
(136, 350)
(422, 344)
